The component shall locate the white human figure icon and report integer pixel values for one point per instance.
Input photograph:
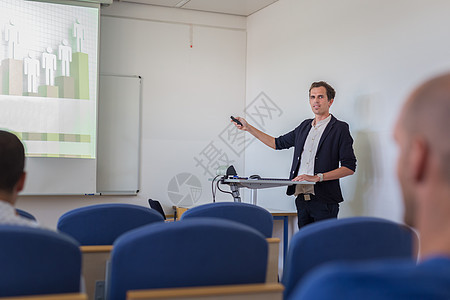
(49, 64)
(31, 69)
(12, 38)
(78, 33)
(65, 56)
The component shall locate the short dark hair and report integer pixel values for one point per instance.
(331, 93)
(12, 160)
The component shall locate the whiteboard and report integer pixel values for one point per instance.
(119, 127)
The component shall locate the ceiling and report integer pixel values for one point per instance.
(232, 7)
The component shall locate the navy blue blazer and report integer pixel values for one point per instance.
(335, 147)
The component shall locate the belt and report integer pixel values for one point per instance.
(305, 197)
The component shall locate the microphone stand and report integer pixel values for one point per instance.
(235, 192)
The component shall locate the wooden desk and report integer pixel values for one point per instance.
(68, 296)
(95, 258)
(273, 245)
(284, 216)
(267, 291)
(94, 266)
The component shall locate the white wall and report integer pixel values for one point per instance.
(373, 53)
(188, 96)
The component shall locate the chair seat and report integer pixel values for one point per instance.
(196, 252)
(245, 213)
(38, 261)
(347, 239)
(101, 224)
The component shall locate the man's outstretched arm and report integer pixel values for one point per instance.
(263, 137)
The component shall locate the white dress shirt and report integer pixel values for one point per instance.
(309, 154)
(8, 216)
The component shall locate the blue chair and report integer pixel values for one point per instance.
(248, 214)
(387, 279)
(348, 239)
(101, 224)
(25, 214)
(38, 261)
(196, 252)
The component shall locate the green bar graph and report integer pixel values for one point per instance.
(80, 71)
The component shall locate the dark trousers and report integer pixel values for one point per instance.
(314, 210)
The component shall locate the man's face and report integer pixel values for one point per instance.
(403, 141)
(319, 102)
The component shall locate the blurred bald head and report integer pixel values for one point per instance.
(422, 136)
(427, 114)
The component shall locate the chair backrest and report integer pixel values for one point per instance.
(25, 214)
(101, 224)
(154, 204)
(348, 239)
(245, 213)
(196, 252)
(37, 261)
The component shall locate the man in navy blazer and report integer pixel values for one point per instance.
(323, 153)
